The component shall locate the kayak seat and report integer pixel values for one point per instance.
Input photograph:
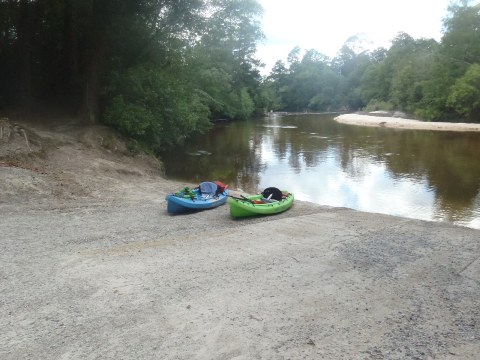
(208, 188)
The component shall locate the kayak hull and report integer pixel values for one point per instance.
(182, 205)
(245, 208)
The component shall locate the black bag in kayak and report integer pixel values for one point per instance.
(276, 194)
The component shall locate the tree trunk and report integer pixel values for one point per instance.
(95, 70)
(70, 61)
(24, 89)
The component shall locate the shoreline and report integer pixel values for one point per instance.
(204, 286)
(400, 123)
(87, 226)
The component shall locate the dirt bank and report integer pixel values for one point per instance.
(92, 267)
(399, 123)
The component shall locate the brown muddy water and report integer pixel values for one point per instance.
(428, 175)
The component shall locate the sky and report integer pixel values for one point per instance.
(325, 25)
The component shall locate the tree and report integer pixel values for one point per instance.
(461, 39)
(86, 54)
(293, 57)
(155, 107)
(272, 86)
(459, 49)
(223, 63)
(307, 84)
(465, 94)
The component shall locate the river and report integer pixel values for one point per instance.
(428, 175)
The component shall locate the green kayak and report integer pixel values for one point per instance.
(259, 205)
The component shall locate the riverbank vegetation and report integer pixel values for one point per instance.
(156, 70)
(159, 71)
(436, 81)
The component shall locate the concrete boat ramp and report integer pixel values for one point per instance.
(128, 281)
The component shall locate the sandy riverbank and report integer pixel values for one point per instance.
(93, 267)
(399, 123)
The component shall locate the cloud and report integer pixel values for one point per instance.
(326, 25)
(375, 190)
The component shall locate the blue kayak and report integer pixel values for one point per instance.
(207, 195)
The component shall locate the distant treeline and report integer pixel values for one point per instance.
(161, 70)
(433, 81)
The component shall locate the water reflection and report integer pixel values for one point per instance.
(421, 174)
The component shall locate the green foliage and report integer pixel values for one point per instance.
(155, 69)
(247, 105)
(434, 81)
(375, 83)
(307, 84)
(465, 94)
(162, 68)
(221, 92)
(434, 91)
(155, 108)
(461, 40)
(378, 105)
(215, 84)
(222, 63)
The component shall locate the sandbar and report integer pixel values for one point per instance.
(400, 123)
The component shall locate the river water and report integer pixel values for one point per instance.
(428, 175)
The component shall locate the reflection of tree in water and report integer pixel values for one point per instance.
(302, 145)
(228, 153)
(447, 161)
(248, 163)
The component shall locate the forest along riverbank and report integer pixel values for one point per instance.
(92, 266)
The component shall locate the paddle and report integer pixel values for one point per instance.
(241, 198)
